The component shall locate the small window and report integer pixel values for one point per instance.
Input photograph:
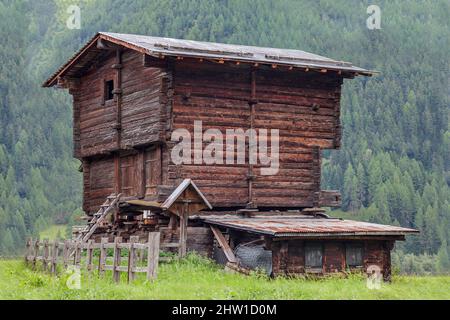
(109, 87)
(313, 255)
(354, 254)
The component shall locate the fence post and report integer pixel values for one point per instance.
(78, 253)
(36, 253)
(153, 255)
(89, 255)
(28, 250)
(45, 256)
(102, 257)
(54, 260)
(132, 258)
(116, 259)
(66, 253)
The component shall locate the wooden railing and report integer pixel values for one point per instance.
(50, 254)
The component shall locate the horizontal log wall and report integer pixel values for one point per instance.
(142, 121)
(304, 107)
(157, 100)
(94, 131)
(98, 182)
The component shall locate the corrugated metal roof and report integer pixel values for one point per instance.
(305, 226)
(158, 46)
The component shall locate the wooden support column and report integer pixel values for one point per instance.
(279, 258)
(118, 95)
(184, 217)
(250, 177)
(316, 176)
(140, 173)
(387, 246)
(118, 126)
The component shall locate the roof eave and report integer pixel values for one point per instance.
(353, 71)
(50, 82)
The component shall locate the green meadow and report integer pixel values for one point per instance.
(198, 278)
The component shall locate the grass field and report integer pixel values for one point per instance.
(53, 232)
(198, 278)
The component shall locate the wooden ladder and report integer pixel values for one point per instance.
(98, 218)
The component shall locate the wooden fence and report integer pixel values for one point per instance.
(70, 252)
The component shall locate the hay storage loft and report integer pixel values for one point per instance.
(131, 92)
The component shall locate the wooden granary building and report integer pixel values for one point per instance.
(134, 96)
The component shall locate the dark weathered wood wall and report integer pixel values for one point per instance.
(288, 257)
(153, 100)
(303, 106)
(105, 131)
(141, 118)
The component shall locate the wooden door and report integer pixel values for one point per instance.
(128, 175)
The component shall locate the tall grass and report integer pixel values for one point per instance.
(198, 278)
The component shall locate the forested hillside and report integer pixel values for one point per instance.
(394, 164)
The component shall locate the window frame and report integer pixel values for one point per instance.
(353, 245)
(108, 95)
(306, 247)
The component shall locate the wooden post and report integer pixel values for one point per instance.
(116, 261)
(36, 253)
(153, 255)
(28, 250)
(66, 253)
(183, 231)
(54, 261)
(132, 258)
(45, 256)
(78, 250)
(224, 245)
(89, 255)
(102, 258)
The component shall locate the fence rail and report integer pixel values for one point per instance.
(70, 252)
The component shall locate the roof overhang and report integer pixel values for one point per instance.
(167, 47)
(307, 227)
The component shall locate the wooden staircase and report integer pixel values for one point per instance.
(106, 208)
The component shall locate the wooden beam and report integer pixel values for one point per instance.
(153, 255)
(224, 245)
(184, 217)
(106, 45)
(116, 259)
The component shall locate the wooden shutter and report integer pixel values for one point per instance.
(128, 175)
(354, 254)
(313, 255)
(152, 169)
